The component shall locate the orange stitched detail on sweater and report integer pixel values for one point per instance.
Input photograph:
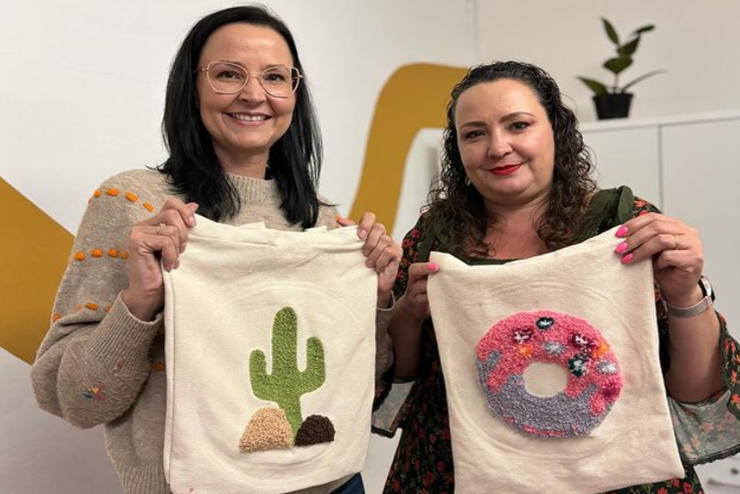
(98, 253)
(56, 317)
(91, 306)
(130, 197)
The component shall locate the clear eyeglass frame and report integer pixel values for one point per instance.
(295, 78)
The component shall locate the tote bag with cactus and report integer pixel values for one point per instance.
(270, 346)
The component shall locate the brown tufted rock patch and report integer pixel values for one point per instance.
(315, 429)
(267, 429)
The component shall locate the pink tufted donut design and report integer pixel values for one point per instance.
(594, 376)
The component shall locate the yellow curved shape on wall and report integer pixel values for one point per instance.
(415, 97)
(36, 249)
(33, 255)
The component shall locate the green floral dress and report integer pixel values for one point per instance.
(423, 461)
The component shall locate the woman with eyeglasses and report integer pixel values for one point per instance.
(243, 147)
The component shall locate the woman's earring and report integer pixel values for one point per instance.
(467, 180)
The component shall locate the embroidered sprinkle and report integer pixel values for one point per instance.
(606, 367)
(583, 342)
(578, 364)
(522, 335)
(553, 348)
(545, 323)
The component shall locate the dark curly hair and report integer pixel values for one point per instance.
(459, 217)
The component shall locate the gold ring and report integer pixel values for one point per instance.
(675, 239)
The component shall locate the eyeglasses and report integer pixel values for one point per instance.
(230, 78)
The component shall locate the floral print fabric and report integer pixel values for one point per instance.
(423, 459)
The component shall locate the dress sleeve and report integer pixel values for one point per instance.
(390, 394)
(95, 358)
(709, 430)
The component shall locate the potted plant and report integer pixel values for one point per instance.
(614, 101)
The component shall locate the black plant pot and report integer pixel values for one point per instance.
(613, 105)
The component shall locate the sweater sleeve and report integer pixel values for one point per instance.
(94, 359)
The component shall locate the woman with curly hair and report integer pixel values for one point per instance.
(516, 183)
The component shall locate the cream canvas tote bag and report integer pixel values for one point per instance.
(552, 371)
(270, 347)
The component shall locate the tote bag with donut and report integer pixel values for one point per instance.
(270, 348)
(552, 372)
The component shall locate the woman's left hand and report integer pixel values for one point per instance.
(382, 253)
(676, 249)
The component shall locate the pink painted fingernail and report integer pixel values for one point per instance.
(628, 258)
(622, 231)
(643, 213)
(621, 247)
(432, 266)
(362, 234)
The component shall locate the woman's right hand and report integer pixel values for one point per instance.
(164, 237)
(407, 319)
(415, 301)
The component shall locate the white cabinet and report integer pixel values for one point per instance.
(690, 168)
(702, 184)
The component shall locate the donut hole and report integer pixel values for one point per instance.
(545, 379)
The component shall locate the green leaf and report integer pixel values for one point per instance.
(641, 78)
(643, 29)
(595, 86)
(630, 48)
(618, 64)
(610, 31)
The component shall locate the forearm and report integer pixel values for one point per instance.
(383, 343)
(405, 332)
(696, 363)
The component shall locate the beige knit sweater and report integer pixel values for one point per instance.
(99, 364)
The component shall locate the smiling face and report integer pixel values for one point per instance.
(506, 142)
(245, 125)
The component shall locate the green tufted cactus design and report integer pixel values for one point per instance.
(286, 384)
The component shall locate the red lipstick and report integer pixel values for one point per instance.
(505, 170)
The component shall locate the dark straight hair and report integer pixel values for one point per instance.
(193, 167)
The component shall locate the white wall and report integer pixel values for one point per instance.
(82, 92)
(81, 98)
(83, 83)
(698, 43)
